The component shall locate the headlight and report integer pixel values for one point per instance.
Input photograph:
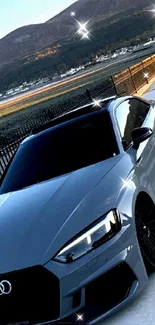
(94, 236)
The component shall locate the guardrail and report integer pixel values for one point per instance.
(127, 82)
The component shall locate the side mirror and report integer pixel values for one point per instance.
(139, 135)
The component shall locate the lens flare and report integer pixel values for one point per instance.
(85, 35)
(146, 75)
(83, 30)
(96, 102)
(83, 26)
(79, 317)
(73, 14)
(153, 11)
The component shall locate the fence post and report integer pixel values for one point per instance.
(132, 79)
(50, 114)
(113, 82)
(89, 94)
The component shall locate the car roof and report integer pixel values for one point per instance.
(95, 105)
(108, 103)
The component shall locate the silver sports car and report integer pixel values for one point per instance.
(77, 215)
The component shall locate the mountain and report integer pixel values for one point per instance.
(37, 51)
(33, 38)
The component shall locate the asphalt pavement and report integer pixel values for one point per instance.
(150, 93)
(142, 310)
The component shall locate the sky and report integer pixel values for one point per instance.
(17, 13)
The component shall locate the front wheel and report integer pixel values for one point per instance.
(145, 226)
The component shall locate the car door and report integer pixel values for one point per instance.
(134, 113)
(150, 159)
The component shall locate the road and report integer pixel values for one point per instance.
(94, 75)
(150, 94)
(142, 310)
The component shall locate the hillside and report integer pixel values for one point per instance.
(41, 50)
(29, 39)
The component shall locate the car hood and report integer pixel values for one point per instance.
(37, 221)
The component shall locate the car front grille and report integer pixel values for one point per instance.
(34, 297)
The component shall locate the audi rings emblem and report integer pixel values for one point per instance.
(5, 287)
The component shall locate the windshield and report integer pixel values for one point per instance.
(61, 150)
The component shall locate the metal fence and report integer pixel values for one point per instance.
(106, 88)
(24, 130)
(132, 79)
(7, 150)
(7, 153)
(126, 82)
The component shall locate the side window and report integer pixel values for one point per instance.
(130, 114)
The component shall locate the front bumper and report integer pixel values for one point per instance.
(101, 282)
(82, 292)
(103, 294)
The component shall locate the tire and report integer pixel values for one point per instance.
(145, 226)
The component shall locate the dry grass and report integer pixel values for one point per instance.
(29, 100)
